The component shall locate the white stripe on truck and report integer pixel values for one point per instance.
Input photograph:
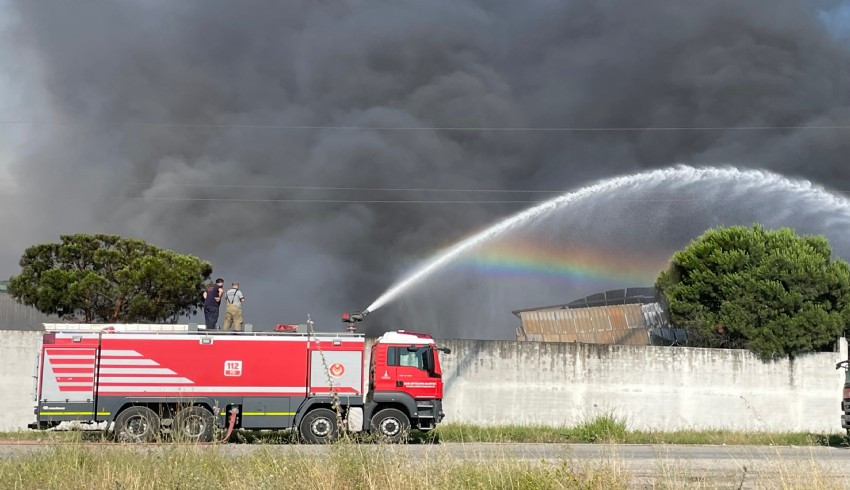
(119, 353)
(143, 370)
(128, 362)
(300, 390)
(144, 379)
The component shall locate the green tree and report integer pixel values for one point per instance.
(109, 278)
(772, 291)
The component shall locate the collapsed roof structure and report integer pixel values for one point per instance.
(629, 316)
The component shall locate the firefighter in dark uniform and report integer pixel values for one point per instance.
(212, 301)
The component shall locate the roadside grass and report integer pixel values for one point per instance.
(601, 429)
(342, 466)
(377, 466)
(610, 429)
(65, 436)
(780, 472)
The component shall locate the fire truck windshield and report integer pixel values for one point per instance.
(419, 357)
(415, 358)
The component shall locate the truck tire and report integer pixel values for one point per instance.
(194, 424)
(319, 426)
(390, 425)
(137, 424)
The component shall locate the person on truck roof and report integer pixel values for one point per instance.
(233, 311)
(212, 301)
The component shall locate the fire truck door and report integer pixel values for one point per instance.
(414, 372)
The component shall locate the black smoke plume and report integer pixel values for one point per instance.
(214, 112)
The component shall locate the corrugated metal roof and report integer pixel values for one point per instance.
(615, 324)
(15, 316)
(627, 296)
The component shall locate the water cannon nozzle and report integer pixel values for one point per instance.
(352, 318)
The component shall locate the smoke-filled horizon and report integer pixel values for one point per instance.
(191, 106)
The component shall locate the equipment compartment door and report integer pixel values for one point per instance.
(268, 412)
(340, 369)
(68, 374)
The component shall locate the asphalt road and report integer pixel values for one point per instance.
(732, 464)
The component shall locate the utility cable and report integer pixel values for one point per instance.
(385, 201)
(427, 128)
(372, 189)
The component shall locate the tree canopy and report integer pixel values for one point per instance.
(108, 278)
(772, 291)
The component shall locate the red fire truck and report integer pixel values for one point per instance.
(153, 380)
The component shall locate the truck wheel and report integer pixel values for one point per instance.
(319, 426)
(391, 425)
(137, 424)
(194, 424)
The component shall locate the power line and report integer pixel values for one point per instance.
(336, 201)
(385, 201)
(285, 200)
(372, 189)
(428, 128)
(408, 201)
(326, 188)
(441, 201)
(393, 189)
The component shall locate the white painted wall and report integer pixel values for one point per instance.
(506, 382)
(661, 388)
(17, 364)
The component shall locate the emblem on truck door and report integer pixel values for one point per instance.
(233, 368)
(337, 369)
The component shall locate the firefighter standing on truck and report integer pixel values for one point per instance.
(212, 301)
(233, 313)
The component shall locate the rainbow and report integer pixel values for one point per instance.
(564, 263)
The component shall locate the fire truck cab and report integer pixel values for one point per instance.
(147, 381)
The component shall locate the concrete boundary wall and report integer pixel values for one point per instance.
(557, 384)
(656, 388)
(18, 350)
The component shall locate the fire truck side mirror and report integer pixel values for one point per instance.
(444, 350)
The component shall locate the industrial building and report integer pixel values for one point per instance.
(15, 316)
(631, 316)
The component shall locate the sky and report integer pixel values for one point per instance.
(258, 135)
(836, 17)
